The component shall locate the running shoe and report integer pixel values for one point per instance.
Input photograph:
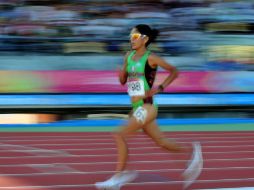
(195, 166)
(117, 181)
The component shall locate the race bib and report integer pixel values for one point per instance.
(136, 88)
(140, 114)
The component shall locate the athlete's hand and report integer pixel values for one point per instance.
(122, 75)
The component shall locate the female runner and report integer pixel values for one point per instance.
(139, 71)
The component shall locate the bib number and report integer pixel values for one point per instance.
(140, 114)
(136, 88)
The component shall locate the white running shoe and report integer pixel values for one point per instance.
(117, 181)
(195, 166)
(109, 184)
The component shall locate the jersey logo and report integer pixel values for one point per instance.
(138, 64)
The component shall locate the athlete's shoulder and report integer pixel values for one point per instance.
(152, 59)
(153, 56)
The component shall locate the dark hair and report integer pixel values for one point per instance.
(146, 30)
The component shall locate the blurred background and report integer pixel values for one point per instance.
(74, 47)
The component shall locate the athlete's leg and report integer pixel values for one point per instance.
(136, 122)
(120, 137)
(153, 131)
(195, 165)
(138, 119)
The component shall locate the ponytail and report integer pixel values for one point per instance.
(152, 34)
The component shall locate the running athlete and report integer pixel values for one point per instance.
(139, 71)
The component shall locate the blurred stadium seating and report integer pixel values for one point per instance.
(195, 35)
(62, 27)
(45, 42)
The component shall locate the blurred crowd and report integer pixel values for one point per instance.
(214, 28)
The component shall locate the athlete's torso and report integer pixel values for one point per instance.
(141, 76)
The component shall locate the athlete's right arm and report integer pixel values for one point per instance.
(123, 75)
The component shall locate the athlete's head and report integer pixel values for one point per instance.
(142, 35)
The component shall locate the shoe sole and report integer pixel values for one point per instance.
(132, 177)
(101, 187)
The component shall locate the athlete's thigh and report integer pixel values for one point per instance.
(130, 128)
(139, 119)
(145, 114)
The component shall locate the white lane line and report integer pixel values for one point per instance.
(111, 139)
(131, 162)
(129, 184)
(92, 135)
(38, 152)
(54, 168)
(131, 154)
(33, 150)
(111, 172)
(237, 188)
(136, 143)
(132, 148)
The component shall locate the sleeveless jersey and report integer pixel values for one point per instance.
(141, 75)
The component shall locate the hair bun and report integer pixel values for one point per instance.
(155, 32)
(154, 35)
(146, 30)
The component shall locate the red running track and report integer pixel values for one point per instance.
(75, 161)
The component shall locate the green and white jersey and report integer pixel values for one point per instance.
(140, 74)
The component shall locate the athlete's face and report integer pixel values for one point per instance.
(137, 40)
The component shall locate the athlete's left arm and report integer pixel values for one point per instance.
(154, 61)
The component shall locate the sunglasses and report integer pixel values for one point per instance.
(136, 36)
